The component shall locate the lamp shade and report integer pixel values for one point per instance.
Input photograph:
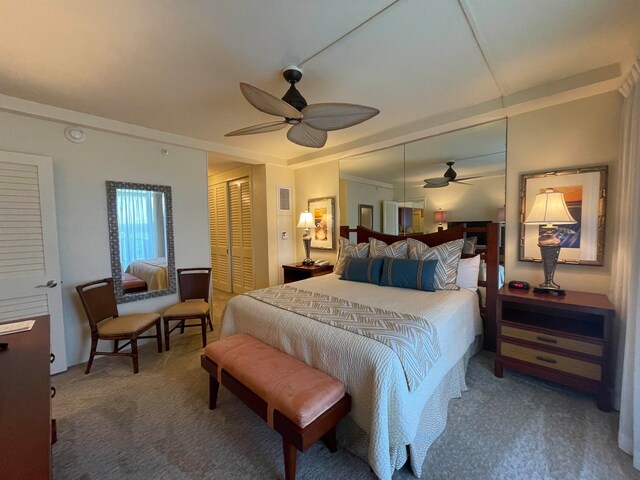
(549, 208)
(439, 216)
(306, 220)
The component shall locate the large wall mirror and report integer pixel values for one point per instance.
(391, 180)
(141, 240)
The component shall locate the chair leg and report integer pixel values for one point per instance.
(210, 323)
(181, 327)
(214, 386)
(203, 323)
(115, 346)
(167, 346)
(94, 347)
(159, 335)
(290, 458)
(134, 352)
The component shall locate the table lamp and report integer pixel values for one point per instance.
(439, 217)
(549, 209)
(306, 222)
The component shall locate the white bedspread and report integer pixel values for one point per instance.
(381, 402)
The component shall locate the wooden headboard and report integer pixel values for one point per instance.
(490, 256)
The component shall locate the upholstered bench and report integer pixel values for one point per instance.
(299, 402)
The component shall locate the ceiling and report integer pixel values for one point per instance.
(175, 66)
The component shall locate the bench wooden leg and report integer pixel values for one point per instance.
(290, 458)
(213, 392)
(330, 440)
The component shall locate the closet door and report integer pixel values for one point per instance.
(219, 233)
(241, 235)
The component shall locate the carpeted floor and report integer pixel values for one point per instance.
(156, 425)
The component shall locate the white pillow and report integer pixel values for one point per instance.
(379, 249)
(347, 249)
(468, 271)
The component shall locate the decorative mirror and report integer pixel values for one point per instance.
(141, 240)
(585, 193)
(365, 216)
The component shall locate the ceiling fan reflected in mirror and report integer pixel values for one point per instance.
(449, 177)
(309, 123)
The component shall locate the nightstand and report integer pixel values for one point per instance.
(297, 271)
(565, 340)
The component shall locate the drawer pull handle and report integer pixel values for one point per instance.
(546, 359)
(546, 339)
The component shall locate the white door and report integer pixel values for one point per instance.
(219, 234)
(241, 235)
(29, 263)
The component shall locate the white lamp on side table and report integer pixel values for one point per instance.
(306, 222)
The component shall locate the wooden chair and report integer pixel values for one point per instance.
(194, 297)
(99, 302)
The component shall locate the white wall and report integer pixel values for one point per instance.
(367, 194)
(478, 201)
(315, 181)
(580, 133)
(80, 172)
(281, 251)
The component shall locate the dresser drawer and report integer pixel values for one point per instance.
(552, 340)
(581, 368)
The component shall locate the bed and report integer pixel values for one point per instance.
(153, 271)
(391, 422)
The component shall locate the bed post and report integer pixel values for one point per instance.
(492, 260)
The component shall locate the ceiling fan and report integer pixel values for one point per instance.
(449, 177)
(309, 123)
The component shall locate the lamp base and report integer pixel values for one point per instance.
(308, 261)
(550, 254)
(306, 240)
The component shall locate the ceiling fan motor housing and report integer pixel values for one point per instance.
(293, 97)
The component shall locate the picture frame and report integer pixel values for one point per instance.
(323, 212)
(585, 192)
(365, 216)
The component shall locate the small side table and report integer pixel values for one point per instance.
(565, 340)
(297, 271)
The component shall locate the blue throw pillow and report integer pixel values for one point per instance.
(408, 273)
(362, 270)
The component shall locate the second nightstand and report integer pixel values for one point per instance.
(297, 271)
(562, 339)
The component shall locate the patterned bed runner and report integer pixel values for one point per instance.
(412, 338)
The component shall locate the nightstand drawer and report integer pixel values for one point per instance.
(581, 368)
(551, 340)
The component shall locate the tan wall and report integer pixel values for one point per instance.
(280, 251)
(322, 180)
(580, 133)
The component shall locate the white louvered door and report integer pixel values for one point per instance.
(390, 217)
(241, 235)
(29, 263)
(219, 234)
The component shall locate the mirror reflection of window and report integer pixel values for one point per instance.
(142, 232)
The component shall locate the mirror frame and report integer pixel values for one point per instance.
(114, 241)
(597, 213)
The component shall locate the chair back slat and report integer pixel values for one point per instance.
(194, 283)
(99, 301)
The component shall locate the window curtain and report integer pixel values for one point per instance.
(625, 278)
(140, 225)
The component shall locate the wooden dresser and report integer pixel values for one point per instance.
(562, 339)
(297, 271)
(25, 404)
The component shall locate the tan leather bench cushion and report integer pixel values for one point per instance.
(288, 385)
(134, 323)
(184, 309)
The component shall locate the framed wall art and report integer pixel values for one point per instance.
(323, 212)
(585, 194)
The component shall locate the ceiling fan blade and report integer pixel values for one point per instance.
(461, 182)
(470, 178)
(335, 116)
(306, 136)
(439, 185)
(267, 103)
(436, 180)
(260, 128)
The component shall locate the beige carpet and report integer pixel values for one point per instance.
(156, 425)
